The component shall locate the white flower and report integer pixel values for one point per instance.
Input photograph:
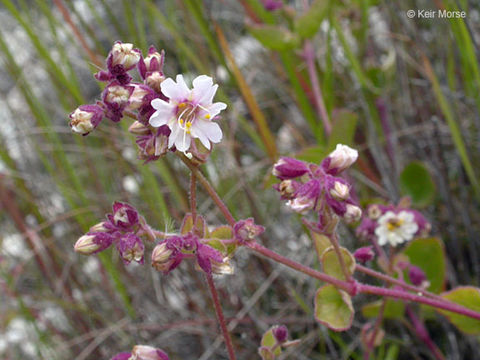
(342, 158)
(396, 228)
(189, 113)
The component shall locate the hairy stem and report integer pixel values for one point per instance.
(220, 317)
(209, 189)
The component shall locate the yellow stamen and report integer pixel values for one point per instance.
(180, 121)
(188, 125)
(182, 105)
(394, 224)
(207, 116)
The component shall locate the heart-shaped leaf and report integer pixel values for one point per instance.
(333, 308)
(469, 297)
(331, 264)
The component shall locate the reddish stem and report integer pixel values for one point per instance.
(220, 317)
(423, 335)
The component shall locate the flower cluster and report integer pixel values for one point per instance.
(318, 187)
(169, 115)
(124, 228)
(142, 352)
(195, 242)
(394, 225)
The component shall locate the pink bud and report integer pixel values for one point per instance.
(416, 275)
(280, 333)
(124, 54)
(289, 168)
(144, 352)
(364, 254)
(340, 159)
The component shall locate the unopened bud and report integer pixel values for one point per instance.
(136, 98)
(222, 268)
(374, 212)
(92, 243)
(353, 214)
(301, 204)
(154, 80)
(100, 227)
(118, 94)
(340, 191)
(340, 159)
(144, 352)
(280, 333)
(124, 54)
(85, 118)
(137, 128)
(287, 189)
(289, 168)
(161, 257)
(417, 276)
(247, 230)
(364, 254)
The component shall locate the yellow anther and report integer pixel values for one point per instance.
(180, 121)
(182, 105)
(188, 125)
(207, 116)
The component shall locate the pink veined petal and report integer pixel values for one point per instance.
(211, 130)
(215, 108)
(164, 113)
(182, 141)
(202, 89)
(198, 133)
(177, 91)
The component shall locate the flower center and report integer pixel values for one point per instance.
(186, 116)
(394, 224)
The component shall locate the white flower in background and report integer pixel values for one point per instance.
(396, 228)
(189, 113)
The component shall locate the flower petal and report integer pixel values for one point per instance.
(165, 111)
(177, 91)
(215, 108)
(202, 87)
(182, 141)
(211, 130)
(198, 133)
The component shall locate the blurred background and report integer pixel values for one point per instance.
(404, 91)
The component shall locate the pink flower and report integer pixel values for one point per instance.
(188, 113)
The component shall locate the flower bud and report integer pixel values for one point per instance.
(340, 159)
(247, 230)
(340, 191)
(161, 260)
(364, 254)
(288, 168)
(154, 60)
(118, 95)
(124, 54)
(131, 248)
(124, 216)
(272, 5)
(280, 333)
(352, 214)
(287, 188)
(374, 212)
(144, 352)
(122, 356)
(154, 80)
(92, 243)
(301, 204)
(100, 227)
(85, 118)
(306, 197)
(136, 98)
(417, 276)
(137, 128)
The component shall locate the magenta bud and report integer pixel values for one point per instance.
(416, 275)
(124, 54)
(137, 97)
(364, 254)
(289, 168)
(280, 333)
(124, 216)
(144, 352)
(247, 230)
(131, 248)
(272, 5)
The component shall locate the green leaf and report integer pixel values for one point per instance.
(343, 129)
(469, 297)
(187, 225)
(333, 308)
(313, 154)
(307, 25)
(224, 232)
(266, 353)
(416, 182)
(331, 264)
(274, 37)
(321, 243)
(429, 255)
(393, 309)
